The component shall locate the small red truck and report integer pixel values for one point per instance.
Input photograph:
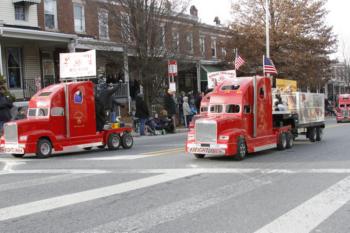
(241, 119)
(60, 116)
(343, 109)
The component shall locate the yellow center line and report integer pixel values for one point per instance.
(163, 152)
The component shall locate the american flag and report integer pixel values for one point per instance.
(239, 61)
(269, 67)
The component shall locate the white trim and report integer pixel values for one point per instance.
(30, 34)
(266, 147)
(1, 66)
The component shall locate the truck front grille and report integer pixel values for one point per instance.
(11, 133)
(345, 113)
(206, 131)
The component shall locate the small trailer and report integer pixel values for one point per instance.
(343, 109)
(241, 120)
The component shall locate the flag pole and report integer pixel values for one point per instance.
(267, 24)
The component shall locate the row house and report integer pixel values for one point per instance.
(339, 81)
(34, 32)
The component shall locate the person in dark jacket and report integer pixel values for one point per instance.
(141, 112)
(5, 108)
(170, 106)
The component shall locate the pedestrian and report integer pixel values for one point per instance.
(180, 103)
(21, 114)
(198, 101)
(5, 108)
(141, 112)
(187, 111)
(170, 106)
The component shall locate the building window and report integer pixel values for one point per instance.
(103, 24)
(79, 17)
(50, 9)
(20, 12)
(213, 47)
(202, 45)
(125, 25)
(189, 41)
(176, 41)
(14, 67)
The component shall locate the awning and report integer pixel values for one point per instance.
(205, 69)
(26, 1)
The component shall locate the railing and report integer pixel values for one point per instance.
(122, 90)
(29, 88)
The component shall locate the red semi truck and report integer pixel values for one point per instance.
(61, 116)
(343, 109)
(241, 119)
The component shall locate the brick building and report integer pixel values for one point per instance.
(34, 32)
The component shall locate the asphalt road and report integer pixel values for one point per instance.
(156, 187)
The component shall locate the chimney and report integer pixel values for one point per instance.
(217, 21)
(194, 11)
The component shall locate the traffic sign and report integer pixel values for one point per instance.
(172, 68)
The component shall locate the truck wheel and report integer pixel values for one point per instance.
(199, 156)
(127, 141)
(101, 147)
(241, 150)
(290, 140)
(282, 141)
(18, 155)
(312, 134)
(113, 141)
(319, 134)
(44, 148)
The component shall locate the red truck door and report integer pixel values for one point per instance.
(81, 109)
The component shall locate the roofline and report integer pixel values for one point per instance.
(30, 34)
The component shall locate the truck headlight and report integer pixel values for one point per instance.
(23, 138)
(224, 138)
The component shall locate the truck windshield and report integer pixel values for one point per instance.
(216, 108)
(38, 112)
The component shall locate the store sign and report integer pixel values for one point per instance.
(76, 65)
(172, 68)
(215, 78)
(286, 86)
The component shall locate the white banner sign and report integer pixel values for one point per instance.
(75, 65)
(215, 78)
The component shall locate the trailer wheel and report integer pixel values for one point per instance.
(44, 148)
(290, 140)
(241, 150)
(282, 141)
(127, 141)
(199, 156)
(311, 133)
(18, 155)
(319, 134)
(113, 141)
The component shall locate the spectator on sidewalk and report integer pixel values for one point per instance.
(141, 112)
(170, 106)
(187, 111)
(5, 108)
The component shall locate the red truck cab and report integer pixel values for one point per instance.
(343, 109)
(239, 121)
(61, 116)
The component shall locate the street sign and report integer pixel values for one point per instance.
(172, 87)
(172, 68)
(75, 65)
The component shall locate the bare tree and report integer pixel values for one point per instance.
(146, 28)
(300, 40)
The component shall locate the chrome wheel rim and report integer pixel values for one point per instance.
(128, 140)
(45, 149)
(284, 141)
(242, 150)
(115, 141)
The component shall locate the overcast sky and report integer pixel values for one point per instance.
(339, 17)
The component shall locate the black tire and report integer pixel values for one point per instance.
(241, 150)
(290, 140)
(282, 141)
(87, 148)
(199, 156)
(311, 134)
(319, 134)
(18, 155)
(127, 141)
(43, 148)
(113, 141)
